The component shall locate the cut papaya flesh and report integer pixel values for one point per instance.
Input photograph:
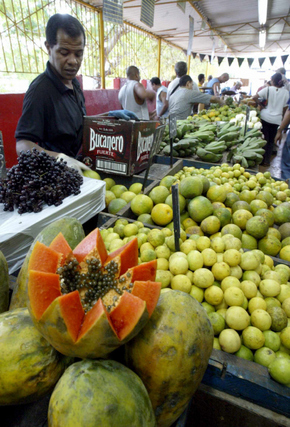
(92, 317)
(145, 271)
(44, 259)
(148, 292)
(43, 288)
(92, 241)
(59, 244)
(72, 312)
(126, 315)
(128, 255)
(117, 308)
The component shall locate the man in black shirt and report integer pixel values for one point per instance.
(54, 105)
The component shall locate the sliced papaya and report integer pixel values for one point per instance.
(59, 244)
(148, 292)
(83, 307)
(43, 288)
(44, 258)
(128, 255)
(145, 271)
(72, 312)
(127, 314)
(92, 241)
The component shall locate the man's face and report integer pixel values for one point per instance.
(189, 85)
(67, 55)
(225, 78)
(154, 87)
(137, 76)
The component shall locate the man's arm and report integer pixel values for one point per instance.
(165, 102)
(216, 100)
(25, 145)
(205, 98)
(142, 94)
(284, 124)
(216, 88)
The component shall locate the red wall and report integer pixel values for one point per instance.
(97, 102)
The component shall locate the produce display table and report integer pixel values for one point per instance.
(17, 232)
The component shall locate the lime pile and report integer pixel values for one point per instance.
(246, 297)
(224, 200)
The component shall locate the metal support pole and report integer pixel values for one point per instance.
(102, 50)
(159, 58)
(206, 72)
(188, 64)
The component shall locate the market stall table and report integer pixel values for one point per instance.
(17, 232)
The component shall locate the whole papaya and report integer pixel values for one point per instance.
(171, 353)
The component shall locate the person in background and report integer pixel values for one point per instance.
(180, 70)
(214, 84)
(54, 104)
(201, 80)
(161, 101)
(285, 159)
(271, 116)
(133, 95)
(266, 84)
(209, 78)
(237, 86)
(182, 101)
(285, 80)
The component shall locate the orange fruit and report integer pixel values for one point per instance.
(141, 204)
(162, 214)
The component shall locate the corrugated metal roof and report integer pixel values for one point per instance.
(231, 23)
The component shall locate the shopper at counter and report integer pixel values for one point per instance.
(237, 86)
(54, 105)
(285, 80)
(161, 101)
(271, 116)
(180, 70)
(201, 80)
(214, 85)
(285, 159)
(133, 95)
(182, 101)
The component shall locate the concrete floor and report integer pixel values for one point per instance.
(274, 167)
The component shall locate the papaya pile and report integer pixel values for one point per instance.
(86, 303)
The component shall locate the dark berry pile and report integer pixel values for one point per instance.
(38, 179)
(96, 282)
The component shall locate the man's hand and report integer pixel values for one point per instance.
(278, 137)
(72, 163)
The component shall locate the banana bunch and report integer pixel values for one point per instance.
(208, 127)
(253, 133)
(205, 136)
(228, 128)
(208, 156)
(250, 153)
(213, 152)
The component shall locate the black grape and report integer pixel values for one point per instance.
(36, 180)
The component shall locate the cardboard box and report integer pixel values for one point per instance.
(117, 146)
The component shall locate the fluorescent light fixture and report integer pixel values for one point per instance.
(262, 39)
(262, 11)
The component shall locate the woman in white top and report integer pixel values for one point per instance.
(271, 116)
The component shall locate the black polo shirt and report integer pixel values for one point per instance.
(52, 114)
